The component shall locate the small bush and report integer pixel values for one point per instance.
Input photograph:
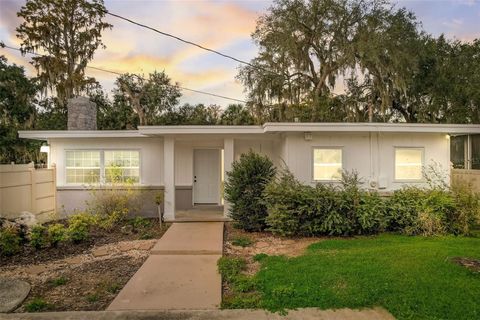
(37, 305)
(56, 234)
(10, 241)
(113, 218)
(242, 241)
(139, 223)
(244, 188)
(79, 227)
(60, 281)
(38, 237)
(93, 297)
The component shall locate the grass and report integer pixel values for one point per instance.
(242, 241)
(412, 277)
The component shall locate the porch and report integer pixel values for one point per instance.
(194, 168)
(204, 213)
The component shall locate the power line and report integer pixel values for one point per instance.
(191, 43)
(3, 45)
(198, 45)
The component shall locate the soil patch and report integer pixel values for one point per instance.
(89, 286)
(263, 242)
(470, 264)
(98, 237)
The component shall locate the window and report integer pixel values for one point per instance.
(83, 166)
(327, 164)
(122, 166)
(458, 151)
(95, 166)
(475, 152)
(408, 164)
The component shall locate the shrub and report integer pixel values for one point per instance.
(113, 218)
(56, 234)
(244, 190)
(36, 305)
(416, 211)
(79, 226)
(115, 200)
(467, 213)
(297, 209)
(10, 241)
(38, 237)
(139, 223)
(403, 207)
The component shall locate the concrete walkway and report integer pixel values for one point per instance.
(181, 272)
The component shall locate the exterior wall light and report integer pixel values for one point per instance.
(45, 148)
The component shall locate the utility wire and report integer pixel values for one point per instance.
(3, 45)
(191, 43)
(198, 45)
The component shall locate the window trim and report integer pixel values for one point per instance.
(102, 165)
(395, 148)
(312, 159)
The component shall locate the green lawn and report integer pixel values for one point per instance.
(412, 277)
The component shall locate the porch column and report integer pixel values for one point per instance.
(228, 154)
(169, 177)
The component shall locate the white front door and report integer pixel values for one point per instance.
(206, 176)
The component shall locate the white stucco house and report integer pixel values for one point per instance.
(189, 162)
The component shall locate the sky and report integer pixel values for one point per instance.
(224, 25)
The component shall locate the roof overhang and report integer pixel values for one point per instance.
(269, 127)
(73, 134)
(203, 130)
(372, 127)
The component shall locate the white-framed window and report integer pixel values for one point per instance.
(83, 166)
(122, 166)
(409, 164)
(327, 164)
(96, 166)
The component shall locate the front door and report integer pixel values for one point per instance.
(206, 176)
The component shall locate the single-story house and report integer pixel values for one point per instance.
(189, 162)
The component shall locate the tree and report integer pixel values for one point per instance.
(303, 47)
(150, 97)
(113, 115)
(236, 114)
(68, 32)
(17, 112)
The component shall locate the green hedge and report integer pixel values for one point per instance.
(298, 209)
(261, 200)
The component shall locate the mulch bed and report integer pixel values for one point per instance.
(98, 237)
(91, 286)
(470, 264)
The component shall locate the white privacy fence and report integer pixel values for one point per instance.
(26, 189)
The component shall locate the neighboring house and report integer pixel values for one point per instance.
(189, 162)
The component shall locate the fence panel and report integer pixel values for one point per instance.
(26, 189)
(471, 177)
